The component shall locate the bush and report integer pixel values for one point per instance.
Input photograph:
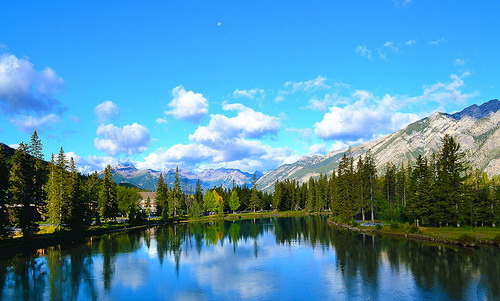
(353, 223)
(395, 226)
(496, 239)
(468, 240)
(414, 229)
(379, 227)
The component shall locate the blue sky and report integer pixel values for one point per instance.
(248, 85)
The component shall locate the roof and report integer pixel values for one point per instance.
(145, 195)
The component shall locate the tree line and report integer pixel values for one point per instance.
(437, 190)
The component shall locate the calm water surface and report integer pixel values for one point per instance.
(264, 259)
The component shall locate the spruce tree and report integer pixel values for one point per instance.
(4, 187)
(39, 173)
(20, 190)
(420, 192)
(176, 203)
(108, 204)
(161, 195)
(278, 196)
(79, 209)
(254, 202)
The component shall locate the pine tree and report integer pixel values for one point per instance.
(176, 198)
(234, 201)
(58, 207)
(254, 202)
(4, 188)
(209, 204)
(451, 176)
(311, 195)
(39, 173)
(278, 196)
(20, 190)
(79, 209)
(345, 206)
(198, 195)
(370, 182)
(108, 205)
(161, 195)
(91, 192)
(420, 192)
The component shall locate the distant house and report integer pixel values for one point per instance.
(143, 204)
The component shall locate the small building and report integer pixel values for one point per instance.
(150, 208)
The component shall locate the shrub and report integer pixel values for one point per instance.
(353, 223)
(379, 227)
(395, 226)
(496, 239)
(468, 240)
(414, 229)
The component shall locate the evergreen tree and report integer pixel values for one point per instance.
(91, 191)
(254, 196)
(451, 176)
(420, 192)
(161, 196)
(369, 175)
(193, 207)
(311, 195)
(4, 188)
(176, 198)
(345, 206)
(390, 191)
(38, 173)
(58, 207)
(234, 201)
(20, 190)
(108, 204)
(80, 216)
(198, 195)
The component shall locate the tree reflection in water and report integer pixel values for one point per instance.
(363, 261)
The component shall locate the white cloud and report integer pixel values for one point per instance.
(304, 133)
(187, 105)
(364, 51)
(436, 42)
(247, 124)
(319, 149)
(410, 42)
(130, 139)
(225, 141)
(251, 94)
(161, 121)
(338, 145)
(91, 163)
(29, 123)
(459, 62)
(319, 83)
(107, 111)
(23, 89)
(327, 101)
(369, 116)
(219, 24)
(279, 98)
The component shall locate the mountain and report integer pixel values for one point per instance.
(476, 128)
(147, 179)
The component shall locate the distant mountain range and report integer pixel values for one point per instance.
(148, 178)
(476, 128)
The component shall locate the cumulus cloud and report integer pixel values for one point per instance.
(322, 104)
(130, 139)
(369, 116)
(29, 123)
(251, 94)
(24, 89)
(187, 105)
(364, 51)
(319, 148)
(107, 111)
(246, 124)
(90, 163)
(225, 141)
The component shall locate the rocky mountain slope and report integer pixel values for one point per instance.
(476, 128)
(147, 179)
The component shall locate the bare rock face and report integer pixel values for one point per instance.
(476, 128)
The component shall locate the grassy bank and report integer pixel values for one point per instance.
(47, 237)
(464, 236)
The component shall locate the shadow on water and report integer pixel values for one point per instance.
(437, 271)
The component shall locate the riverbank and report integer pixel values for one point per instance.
(46, 238)
(465, 236)
(24, 245)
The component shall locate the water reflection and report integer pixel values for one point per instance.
(287, 258)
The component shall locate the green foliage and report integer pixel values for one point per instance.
(395, 226)
(379, 227)
(234, 201)
(108, 203)
(468, 240)
(127, 198)
(4, 187)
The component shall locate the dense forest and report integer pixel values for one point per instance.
(439, 190)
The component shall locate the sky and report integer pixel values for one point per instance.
(235, 84)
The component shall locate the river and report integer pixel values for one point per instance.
(288, 258)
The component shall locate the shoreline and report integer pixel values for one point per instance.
(414, 236)
(13, 247)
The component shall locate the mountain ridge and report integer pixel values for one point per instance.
(476, 128)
